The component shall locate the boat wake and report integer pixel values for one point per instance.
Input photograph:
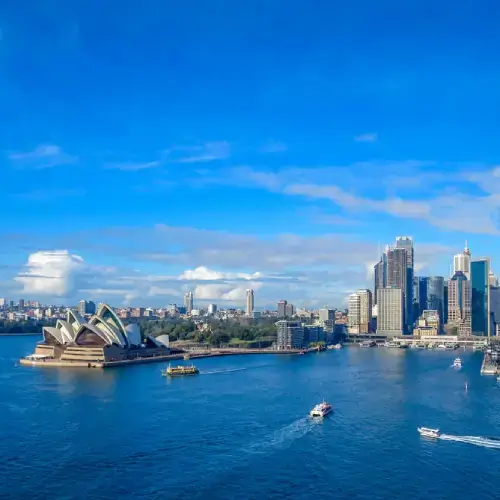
(284, 437)
(475, 440)
(231, 370)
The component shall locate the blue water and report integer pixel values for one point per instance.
(240, 431)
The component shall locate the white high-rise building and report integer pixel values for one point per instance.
(188, 301)
(212, 308)
(461, 262)
(390, 311)
(249, 302)
(360, 311)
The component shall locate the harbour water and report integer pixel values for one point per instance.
(240, 430)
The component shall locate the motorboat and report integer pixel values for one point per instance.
(391, 344)
(321, 409)
(457, 363)
(441, 346)
(367, 343)
(425, 431)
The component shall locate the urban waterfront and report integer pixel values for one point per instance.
(240, 429)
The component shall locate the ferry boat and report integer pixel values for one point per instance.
(321, 409)
(457, 363)
(367, 343)
(173, 371)
(391, 344)
(425, 431)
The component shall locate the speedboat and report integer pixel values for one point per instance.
(321, 409)
(457, 363)
(425, 431)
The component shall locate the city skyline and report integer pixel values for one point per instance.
(208, 176)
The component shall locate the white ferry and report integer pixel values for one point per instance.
(425, 431)
(457, 363)
(321, 409)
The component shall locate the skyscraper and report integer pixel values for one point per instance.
(21, 304)
(390, 311)
(419, 295)
(461, 262)
(480, 299)
(289, 310)
(380, 276)
(435, 296)
(397, 276)
(406, 242)
(459, 303)
(188, 301)
(360, 311)
(249, 302)
(282, 308)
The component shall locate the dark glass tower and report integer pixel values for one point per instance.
(419, 295)
(380, 274)
(480, 302)
(435, 295)
(406, 242)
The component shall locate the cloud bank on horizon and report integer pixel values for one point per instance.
(278, 150)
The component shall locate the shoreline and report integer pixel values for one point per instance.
(157, 359)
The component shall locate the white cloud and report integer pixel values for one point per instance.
(226, 292)
(51, 273)
(134, 167)
(369, 137)
(43, 156)
(209, 151)
(202, 273)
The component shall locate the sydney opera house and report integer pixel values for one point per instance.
(100, 340)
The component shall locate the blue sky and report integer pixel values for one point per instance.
(159, 147)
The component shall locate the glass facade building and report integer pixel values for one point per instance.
(435, 295)
(480, 298)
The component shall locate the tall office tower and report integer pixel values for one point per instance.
(326, 314)
(353, 313)
(380, 276)
(188, 301)
(282, 308)
(461, 262)
(21, 304)
(360, 311)
(289, 310)
(492, 279)
(249, 302)
(86, 307)
(390, 303)
(480, 299)
(290, 335)
(459, 303)
(435, 296)
(419, 295)
(445, 300)
(406, 242)
(397, 276)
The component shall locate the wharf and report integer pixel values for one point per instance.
(55, 363)
(490, 364)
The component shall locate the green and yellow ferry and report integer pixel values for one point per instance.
(175, 371)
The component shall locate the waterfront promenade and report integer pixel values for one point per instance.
(54, 363)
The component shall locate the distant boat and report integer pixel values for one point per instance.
(174, 371)
(321, 409)
(457, 363)
(425, 431)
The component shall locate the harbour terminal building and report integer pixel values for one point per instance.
(94, 342)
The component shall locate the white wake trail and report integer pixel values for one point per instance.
(475, 440)
(284, 437)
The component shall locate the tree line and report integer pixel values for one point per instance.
(218, 332)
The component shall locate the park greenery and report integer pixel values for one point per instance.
(216, 332)
(13, 327)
